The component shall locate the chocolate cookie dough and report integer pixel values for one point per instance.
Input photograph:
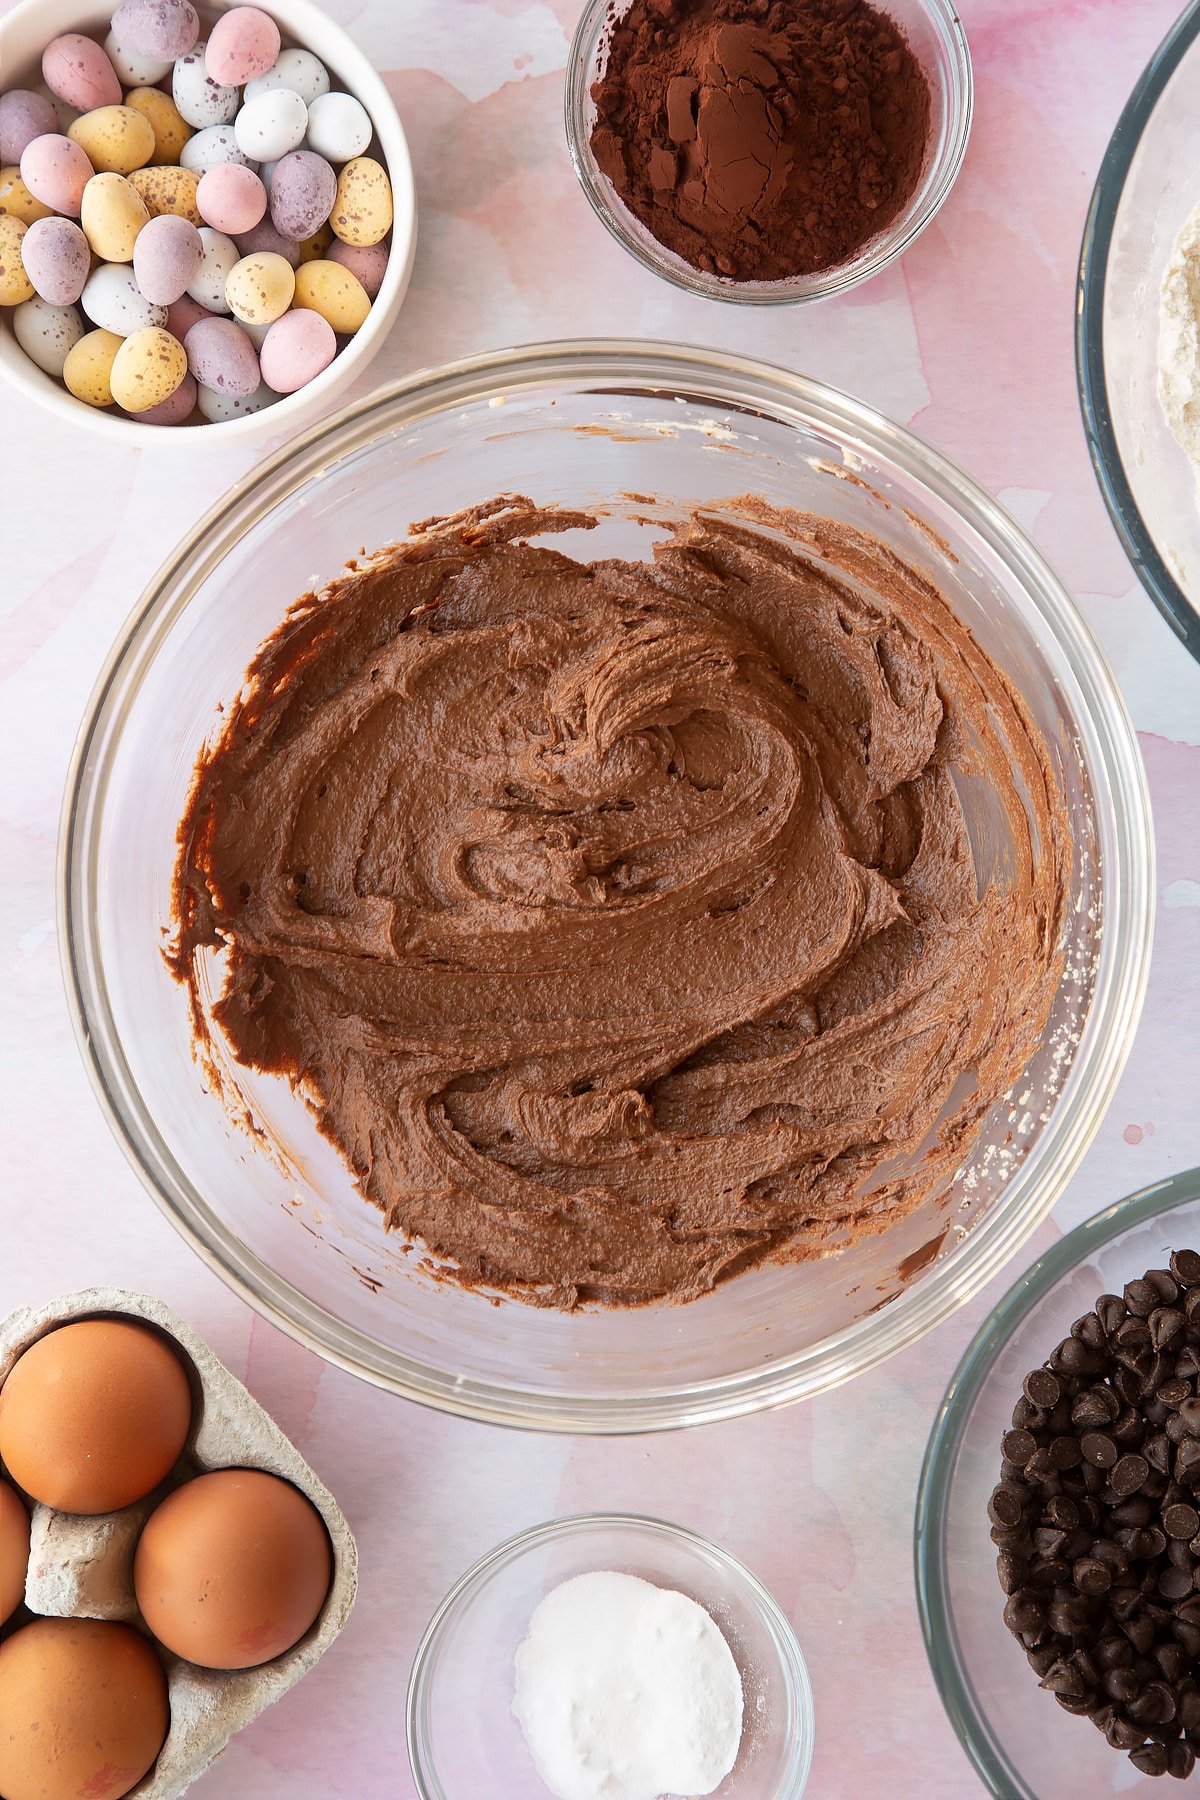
(619, 920)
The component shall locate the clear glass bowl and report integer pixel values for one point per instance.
(1149, 182)
(464, 1665)
(937, 39)
(576, 425)
(1022, 1744)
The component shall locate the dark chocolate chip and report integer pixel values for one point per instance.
(1151, 1759)
(1185, 1267)
(1128, 1475)
(1042, 1388)
(1181, 1521)
(1098, 1449)
(1017, 1447)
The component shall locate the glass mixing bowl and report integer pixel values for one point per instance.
(1023, 1746)
(464, 1666)
(576, 425)
(1149, 182)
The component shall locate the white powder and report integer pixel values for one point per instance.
(1179, 342)
(627, 1691)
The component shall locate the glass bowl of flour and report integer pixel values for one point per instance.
(1138, 328)
(514, 1691)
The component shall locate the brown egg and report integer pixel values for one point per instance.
(94, 1415)
(14, 1551)
(232, 1568)
(83, 1710)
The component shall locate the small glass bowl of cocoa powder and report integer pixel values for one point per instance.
(768, 152)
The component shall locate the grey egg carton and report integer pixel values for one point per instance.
(82, 1566)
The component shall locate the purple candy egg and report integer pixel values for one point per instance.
(303, 189)
(24, 116)
(366, 261)
(265, 237)
(296, 349)
(231, 198)
(162, 29)
(175, 409)
(166, 256)
(76, 70)
(57, 260)
(243, 43)
(221, 356)
(56, 171)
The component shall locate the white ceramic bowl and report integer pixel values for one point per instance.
(24, 34)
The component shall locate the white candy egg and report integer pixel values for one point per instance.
(267, 128)
(47, 333)
(112, 300)
(221, 255)
(339, 127)
(134, 70)
(219, 407)
(299, 70)
(201, 100)
(215, 144)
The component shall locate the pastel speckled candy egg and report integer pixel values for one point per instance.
(217, 408)
(231, 198)
(260, 288)
(56, 171)
(214, 145)
(362, 209)
(15, 198)
(135, 71)
(15, 285)
(298, 70)
(88, 367)
(168, 191)
(115, 139)
(47, 334)
(296, 349)
(24, 115)
(219, 258)
(243, 43)
(57, 260)
(161, 28)
(303, 190)
(201, 100)
(112, 215)
(76, 70)
(147, 369)
(171, 130)
(112, 300)
(339, 127)
(264, 236)
(166, 257)
(267, 128)
(221, 357)
(367, 262)
(176, 409)
(327, 288)
(313, 248)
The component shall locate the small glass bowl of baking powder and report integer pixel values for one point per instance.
(463, 1739)
(936, 38)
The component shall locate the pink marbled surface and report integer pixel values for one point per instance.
(969, 340)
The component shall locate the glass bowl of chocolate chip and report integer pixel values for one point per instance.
(1058, 1517)
(765, 152)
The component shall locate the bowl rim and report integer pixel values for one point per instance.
(937, 1469)
(886, 248)
(301, 21)
(1122, 969)
(512, 1549)
(1136, 540)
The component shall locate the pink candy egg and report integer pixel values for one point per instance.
(367, 261)
(264, 236)
(57, 260)
(56, 171)
(175, 409)
(303, 189)
(23, 116)
(231, 197)
(243, 43)
(221, 357)
(296, 349)
(163, 29)
(76, 70)
(166, 255)
(183, 313)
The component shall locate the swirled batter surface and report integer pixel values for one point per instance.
(619, 921)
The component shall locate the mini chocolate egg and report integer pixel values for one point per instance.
(57, 259)
(299, 70)
(56, 171)
(112, 214)
(295, 350)
(267, 128)
(327, 288)
(135, 71)
(94, 1414)
(166, 257)
(231, 198)
(183, 313)
(14, 1551)
(176, 409)
(232, 1569)
(362, 209)
(115, 139)
(219, 258)
(265, 237)
(76, 70)
(243, 43)
(303, 190)
(259, 288)
(221, 357)
(83, 1710)
(86, 371)
(159, 28)
(15, 285)
(209, 148)
(366, 261)
(112, 299)
(147, 369)
(16, 199)
(47, 334)
(24, 115)
(339, 127)
(217, 408)
(171, 130)
(168, 191)
(201, 100)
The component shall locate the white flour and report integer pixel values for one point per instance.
(1179, 342)
(626, 1691)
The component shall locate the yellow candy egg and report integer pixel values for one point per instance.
(171, 130)
(339, 296)
(115, 139)
(167, 190)
(16, 199)
(88, 368)
(260, 288)
(362, 206)
(316, 245)
(147, 369)
(15, 284)
(113, 213)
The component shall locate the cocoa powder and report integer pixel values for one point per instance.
(761, 139)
